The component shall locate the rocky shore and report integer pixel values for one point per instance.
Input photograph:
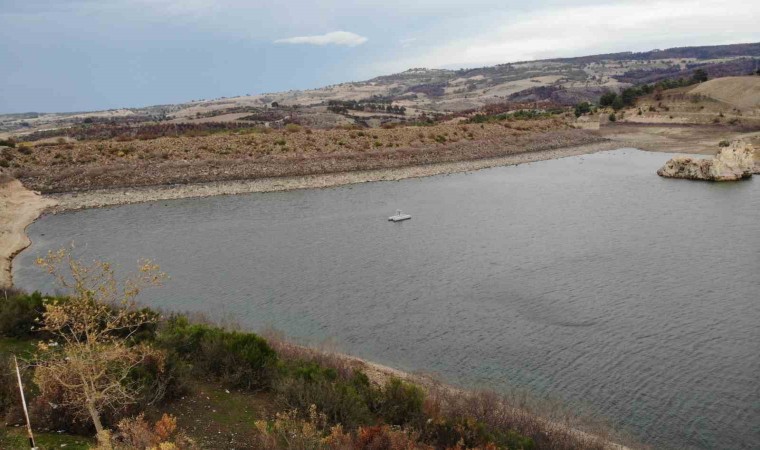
(735, 162)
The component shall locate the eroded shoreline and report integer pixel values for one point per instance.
(20, 207)
(120, 196)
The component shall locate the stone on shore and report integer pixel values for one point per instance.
(735, 162)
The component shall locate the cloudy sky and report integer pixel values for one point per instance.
(74, 55)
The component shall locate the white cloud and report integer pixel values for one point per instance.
(586, 29)
(345, 38)
(407, 42)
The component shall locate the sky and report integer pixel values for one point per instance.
(82, 55)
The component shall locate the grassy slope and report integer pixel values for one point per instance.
(213, 416)
(742, 92)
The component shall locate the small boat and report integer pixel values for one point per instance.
(399, 216)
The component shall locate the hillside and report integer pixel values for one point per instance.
(739, 92)
(419, 93)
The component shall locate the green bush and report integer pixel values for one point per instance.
(607, 98)
(699, 76)
(582, 108)
(19, 313)
(447, 433)
(8, 392)
(401, 403)
(612, 117)
(161, 376)
(239, 359)
(618, 103)
(346, 402)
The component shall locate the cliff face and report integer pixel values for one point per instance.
(732, 163)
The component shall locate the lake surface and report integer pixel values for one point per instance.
(588, 278)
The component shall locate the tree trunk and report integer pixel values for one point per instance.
(104, 439)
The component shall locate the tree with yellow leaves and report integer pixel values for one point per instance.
(93, 328)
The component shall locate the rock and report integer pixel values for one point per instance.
(732, 163)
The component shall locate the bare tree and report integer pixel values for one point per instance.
(94, 326)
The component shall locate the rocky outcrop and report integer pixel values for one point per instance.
(732, 163)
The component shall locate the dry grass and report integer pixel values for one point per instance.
(277, 153)
(742, 92)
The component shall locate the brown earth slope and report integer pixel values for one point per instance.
(265, 154)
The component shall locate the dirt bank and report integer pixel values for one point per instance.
(685, 138)
(106, 197)
(18, 208)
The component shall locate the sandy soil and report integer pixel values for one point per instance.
(18, 208)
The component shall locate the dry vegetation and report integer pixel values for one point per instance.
(263, 152)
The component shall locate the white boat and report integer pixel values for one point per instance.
(399, 216)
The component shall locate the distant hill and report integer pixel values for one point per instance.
(416, 92)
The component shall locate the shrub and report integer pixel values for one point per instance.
(138, 433)
(612, 117)
(618, 103)
(292, 128)
(724, 143)
(346, 402)
(699, 76)
(607, 98)
(8, 392)
(162, 375)
(582, 108)
(471, 433)
(289, 431)
(10, 142)
(401, 403)
(239, 359)
(20, 313)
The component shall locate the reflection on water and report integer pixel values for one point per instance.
(589, 278)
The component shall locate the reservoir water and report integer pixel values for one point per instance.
(588, 278)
